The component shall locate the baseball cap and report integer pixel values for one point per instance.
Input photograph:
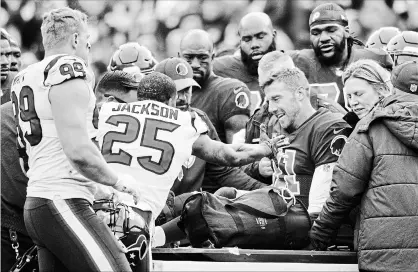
(328, 13)
(179, 71)
(405, 77)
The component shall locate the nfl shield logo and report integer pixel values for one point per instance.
(413, 88)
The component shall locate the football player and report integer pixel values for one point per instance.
(316, 139)
(226, 101)
(13, 192)
(257, 37)
(15, 62)
(133, 58)
(380, 38)
(403, 47)
(195, 170)
(151, 140)
(270, 63)
(332, 50)
(5, 65)
(53, 105)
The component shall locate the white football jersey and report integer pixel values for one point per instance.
(50, 172)
(149, 141)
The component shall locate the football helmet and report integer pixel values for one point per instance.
(403, 47)
(132, 58)
(131, 227)
(381, 37)
(115, 216)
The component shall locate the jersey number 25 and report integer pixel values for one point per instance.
(148, 139)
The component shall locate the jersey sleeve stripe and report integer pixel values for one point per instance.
(50, 65)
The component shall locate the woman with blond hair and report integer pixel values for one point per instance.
(366, 83)
(377, 170)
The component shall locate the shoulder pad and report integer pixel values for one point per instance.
(63, 68)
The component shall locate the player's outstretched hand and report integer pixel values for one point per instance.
(264, 167)
(274, 143)
(127, 184)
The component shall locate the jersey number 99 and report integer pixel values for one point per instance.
(24, 107)
(148, 139)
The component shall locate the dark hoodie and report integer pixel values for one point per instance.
(378, 169)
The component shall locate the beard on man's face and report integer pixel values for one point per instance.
(252, 65)
(335, 58)
(182, 105)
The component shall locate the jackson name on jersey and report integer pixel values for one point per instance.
(50, 173)
(150, 141)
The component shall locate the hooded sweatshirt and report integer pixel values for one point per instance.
(378, 169)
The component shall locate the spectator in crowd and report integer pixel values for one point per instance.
(366, 83)
(377, 169)
(257, 37)
(64, 164)
(226, 101)
(5, 66)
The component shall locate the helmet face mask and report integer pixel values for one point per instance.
(115, 216)
(404, 56)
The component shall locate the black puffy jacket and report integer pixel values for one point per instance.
(378, 169)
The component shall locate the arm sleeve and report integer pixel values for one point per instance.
(63, 68)
(252, 171)
(349, 181)
(236, 100)
(232, 177)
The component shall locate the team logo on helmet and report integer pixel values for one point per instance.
(241, 100)
(337, 144)
(189, 163)
(138, 250)
(315, 16)
(413, 88)
(181, 69)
